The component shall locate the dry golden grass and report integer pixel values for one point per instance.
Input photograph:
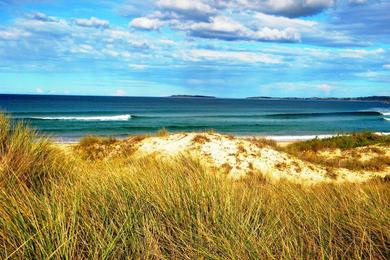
(26, 159)
(263, 142)
(136, 139)
(91, 140)
(162, 133)
(211, 131)
(241, 149)
(151, 208)
(94, 147)
(200, 139)
(99, 148)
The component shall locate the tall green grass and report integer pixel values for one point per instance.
(151, 208)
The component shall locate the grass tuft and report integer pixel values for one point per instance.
(95, 148)
(263, 142)
(91, 140)
(162, 133)
(27, 159)
(200, 139)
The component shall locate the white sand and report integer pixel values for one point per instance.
(240, 157)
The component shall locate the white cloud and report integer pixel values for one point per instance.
(246, 20)
(167, 42)
(92, 22)
(145, 23)
(120, 92)
(39, 90)
(119, 34)
(10, 35)
(293, 8)
(42, 17)
(83, 48)
(53, 27)
(116, 53)
(282, 22)
(358, 1)
(186, 5)
(369, 74)
(138, 66)
(247, 57)
(326, 88)
(360, 53)
(288, 8)
(223, 27)
(190, 9)
(386, 66)
(268, 34)
(219, 24)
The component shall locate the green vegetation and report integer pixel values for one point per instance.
(63, 206)
(342, 142)
(309, 151)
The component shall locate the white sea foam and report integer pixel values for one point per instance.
(382, 111)
(291, 138)
(387, 119)
(87, 118)
(288, 138)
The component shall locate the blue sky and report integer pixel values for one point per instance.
(231, 48)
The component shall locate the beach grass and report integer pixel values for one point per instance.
(343, 142)
(26, 159)
(63, 206)
(309, 151)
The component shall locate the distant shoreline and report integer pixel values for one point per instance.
(384, 99)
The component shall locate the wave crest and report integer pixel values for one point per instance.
(86, 118)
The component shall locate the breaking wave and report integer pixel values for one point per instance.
(86, 118)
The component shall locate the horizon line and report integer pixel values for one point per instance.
(190, 96)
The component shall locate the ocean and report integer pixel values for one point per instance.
(71, 117)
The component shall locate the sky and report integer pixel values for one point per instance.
(231, 48)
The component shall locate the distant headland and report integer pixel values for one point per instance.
(385, 99)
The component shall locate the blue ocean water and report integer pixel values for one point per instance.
(70, 117)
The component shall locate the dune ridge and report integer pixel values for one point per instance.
(240, 157)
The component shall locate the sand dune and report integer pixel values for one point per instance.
(240, 157)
